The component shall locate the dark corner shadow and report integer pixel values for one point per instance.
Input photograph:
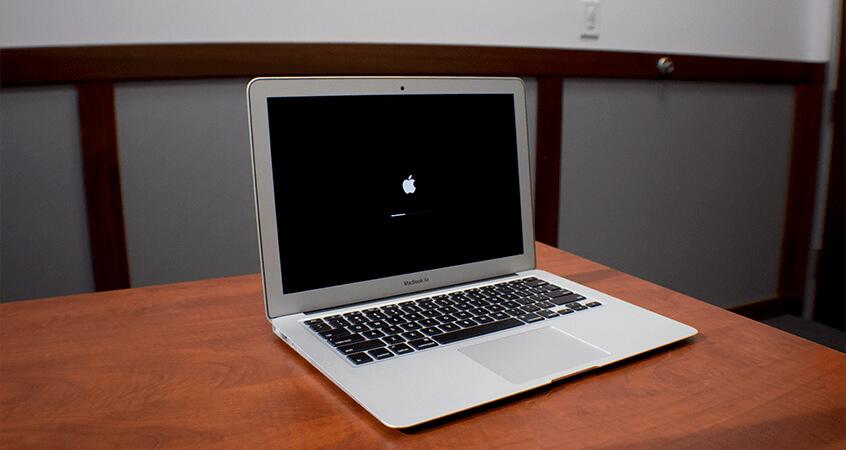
(749, 436)
(541, 390)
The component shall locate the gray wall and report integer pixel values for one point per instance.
(187, 180)
(44, 247)
(683, 184)
(679, 183)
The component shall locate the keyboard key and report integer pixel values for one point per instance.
(466, 323)
(483, 319)
(446, 318)
(463, 315)
(334, 332)
(352, 314)
(373, 334)
(377, 315)
(357, 328)
(447, 327)
(413, 317)
(396, 320)
(346, 339)
(515, 312)
(313, 321)
(520, 301)
(401, 349)
(545, 305)
(495, 308)
(410, 326)
(391, 330)
(530, 308)
(581, 297)
(565, 311)
(498, 315)
(422, 344)
(547, 314)
(563, 299)
(381, 353)
(530, 318)
(377, 324)
(478, 311)
(356, 320)
(360, 346)
(593, 304)
(413, 335)
(337, 323)
(429, 322)
(320, 326)
(359, 358)
(576, 306)
(468, 333)
(431, 313)
(394, 339)
(431, 331)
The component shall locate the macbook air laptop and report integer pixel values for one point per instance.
(397, 246)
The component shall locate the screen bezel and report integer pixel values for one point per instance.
(278, 304)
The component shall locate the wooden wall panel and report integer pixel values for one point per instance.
(94, 68)
(802, 183)
(20, 66)
(548, 165)
(98, 132)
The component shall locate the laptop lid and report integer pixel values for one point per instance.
(374, 187)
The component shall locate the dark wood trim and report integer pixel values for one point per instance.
(548, 159)
(830, 299)
(801, 189)
(26, 66)
(98, 132)
(769, 308)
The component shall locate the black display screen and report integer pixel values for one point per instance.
(372, 186)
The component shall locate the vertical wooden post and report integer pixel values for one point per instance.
(98, 131)
(801, 188)
(548, 165)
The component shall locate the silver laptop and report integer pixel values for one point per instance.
(397, 246)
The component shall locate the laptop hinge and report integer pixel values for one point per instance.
(377, 300)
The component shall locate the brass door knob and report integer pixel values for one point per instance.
(665, 66)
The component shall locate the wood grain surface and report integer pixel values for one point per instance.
(101, 170)
(195, 365)
(47, 65)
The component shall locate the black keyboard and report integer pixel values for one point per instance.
(381, 333)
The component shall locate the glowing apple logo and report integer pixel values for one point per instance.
(408, 185)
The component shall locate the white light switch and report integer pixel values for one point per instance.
(590, 19)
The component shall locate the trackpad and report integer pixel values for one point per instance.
(533, 354)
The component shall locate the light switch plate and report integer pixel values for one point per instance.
(590, 19)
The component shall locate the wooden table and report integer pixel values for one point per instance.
(196, 365)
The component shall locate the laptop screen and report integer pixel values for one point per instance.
(372, 186)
